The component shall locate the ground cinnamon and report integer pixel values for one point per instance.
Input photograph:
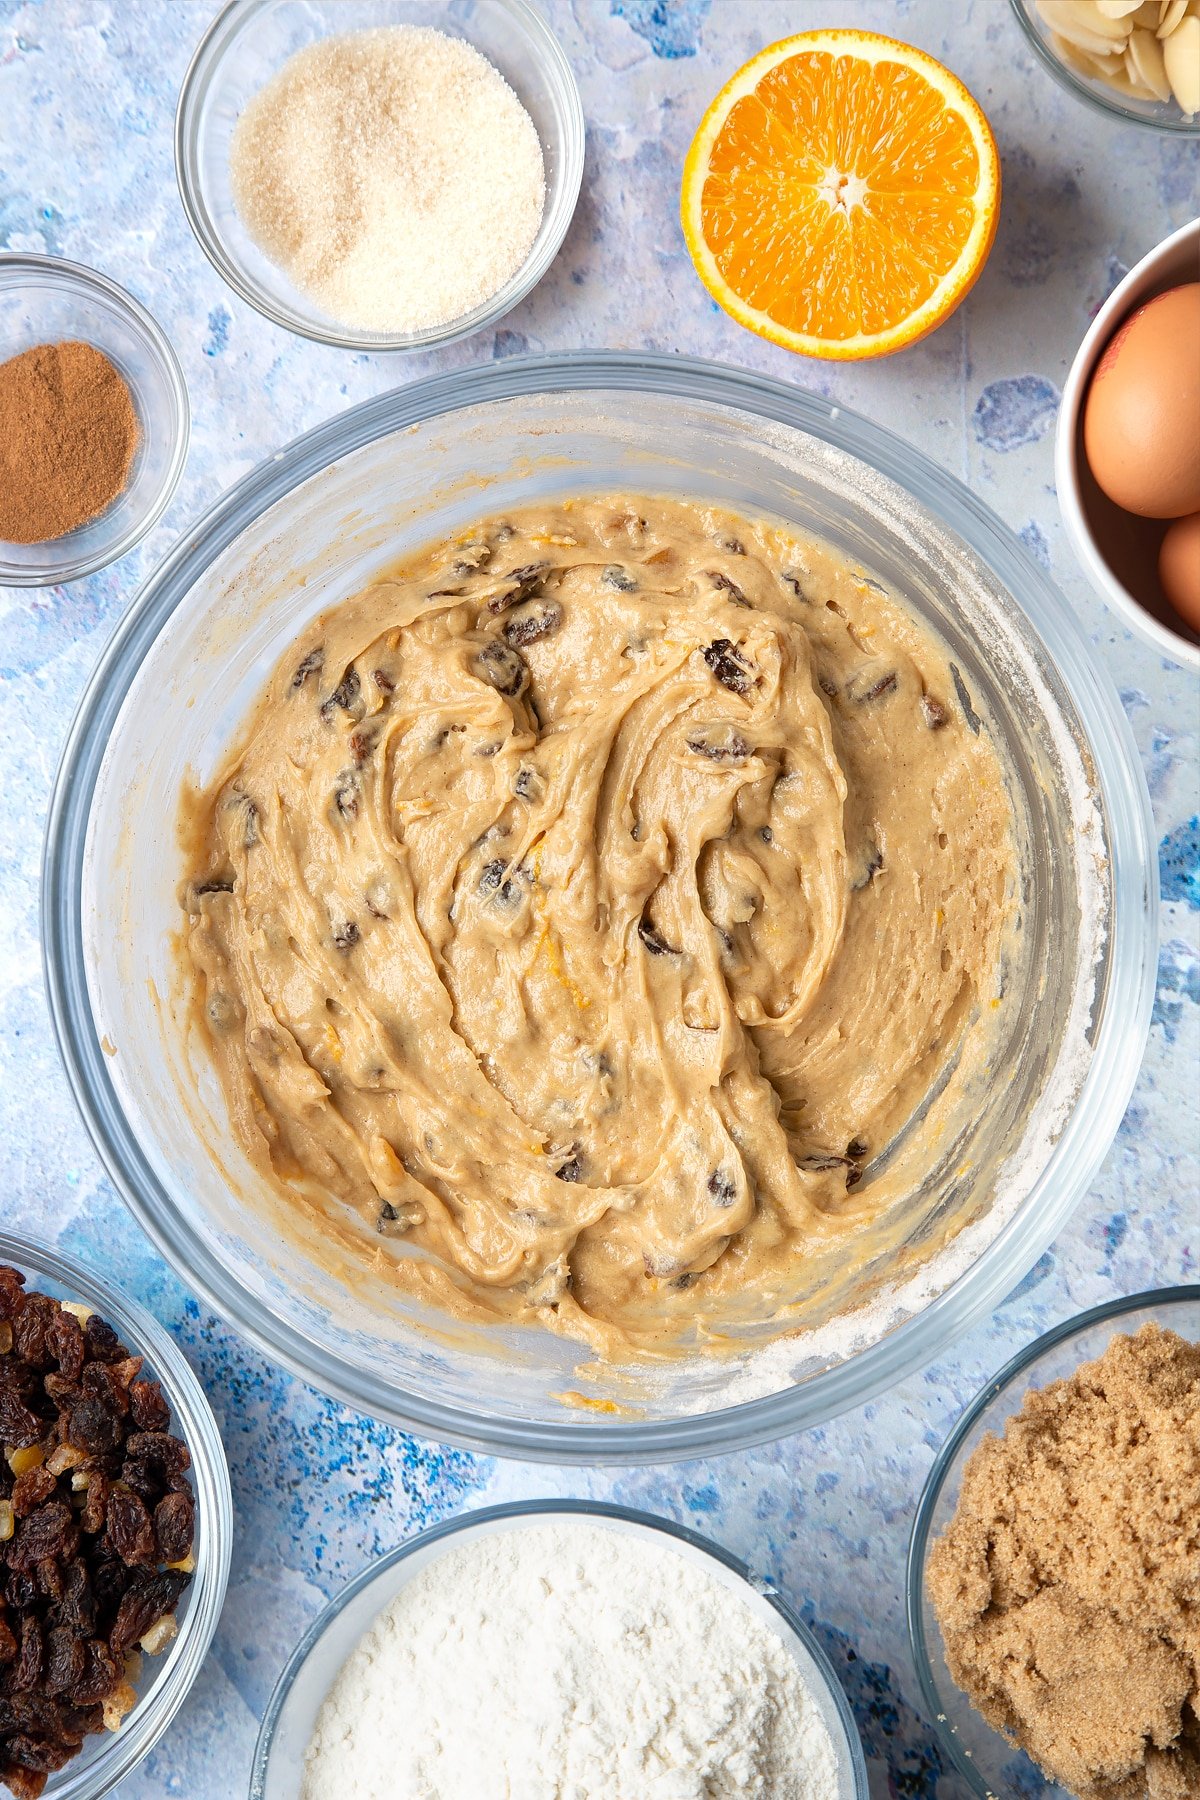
(68, 432)
(1067, 1584)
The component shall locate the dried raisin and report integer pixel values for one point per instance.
(521, 583)
(31, 1330)
(67, 1345)
(22, 1782)
(103, 1344)
(149, 1597)
(347, 794)
(175, 1524)
(109, 1383)
(48, 1575)
(65, 1659)
(93, 1426)
(722, 1187)
(42, 1755)
(731, 748)
(150, 1410)
(32, 1489)
(159, 1451)
(502, 667)
(60, 1390)
(308, 665)
(19, 1426)
(20, 1589)
(95, 1507)
(531, 623)
(12, 1291)
(653, 939)
(725, 585)
(346, 695)
(101, 1674)
(26, 1673)
(110, 1578)
(76, 1608)
(729, 666)
(130, 1528)
(49, 1531)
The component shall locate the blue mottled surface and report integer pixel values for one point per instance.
(87, 93)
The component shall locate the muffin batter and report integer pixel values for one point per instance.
(592, 905)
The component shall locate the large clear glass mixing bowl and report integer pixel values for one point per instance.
(311, 527)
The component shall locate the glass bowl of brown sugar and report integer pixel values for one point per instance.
(93, 421)
(1066, 1474)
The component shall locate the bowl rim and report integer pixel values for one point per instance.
(918, 1545)
(1113, 107)
(561, 199)
(76, 277)
(1123, 299)
(192, 1418)
(545, 1509)
(1075, 1157)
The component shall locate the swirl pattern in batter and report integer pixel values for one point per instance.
(592, 905)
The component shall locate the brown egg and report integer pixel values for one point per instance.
(1141, 418)
(1179, 568)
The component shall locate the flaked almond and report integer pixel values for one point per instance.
(1181, 59)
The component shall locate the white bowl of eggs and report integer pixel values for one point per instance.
(1127, 451)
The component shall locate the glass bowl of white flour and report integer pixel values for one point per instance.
(558, 1648)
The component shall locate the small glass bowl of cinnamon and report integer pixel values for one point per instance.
(75, 313)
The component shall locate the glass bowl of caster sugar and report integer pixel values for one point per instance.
(380, 174)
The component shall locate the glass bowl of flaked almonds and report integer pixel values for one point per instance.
(1137, 60)
(115, 1529)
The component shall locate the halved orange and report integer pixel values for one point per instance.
(841, 194)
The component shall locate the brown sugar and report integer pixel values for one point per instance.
(1067, 1584)
(68, 432)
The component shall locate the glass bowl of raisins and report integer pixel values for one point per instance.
(115, 1529)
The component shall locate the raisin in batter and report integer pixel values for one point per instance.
(590, 906)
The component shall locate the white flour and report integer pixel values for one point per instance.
(569, 1661)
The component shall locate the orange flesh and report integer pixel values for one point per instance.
(819, 133)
